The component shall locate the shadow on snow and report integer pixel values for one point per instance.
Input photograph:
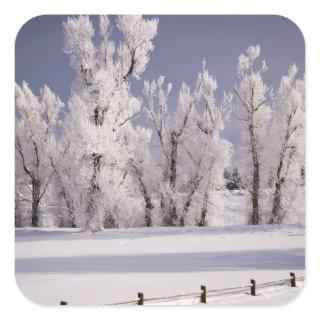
(291, 259)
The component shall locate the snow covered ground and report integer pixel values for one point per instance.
(113, 265)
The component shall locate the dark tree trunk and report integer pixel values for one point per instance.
(35, 218)
(255, 214)
(163, 206)
(173, 160)
(94, 193)
(277, 215)
(194, 187)
(67, 199)
(147, 216)
(71, 210)
(251, 108)
(110, 221)
(171, 220)
(146, 196)
(94, 190)
(17, 217)
(182, 221)
(36, 185)
(204, 211)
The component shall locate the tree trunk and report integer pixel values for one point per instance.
(255, 215)
(172, 218)
(67, 199)
(110, 221)
(146, 196)
(71, 210)
(164, 208)
(188, 202)
(17, 216)
(147, 216)
(203, 218)
(276, 216)
(95, 219)
(35, 219)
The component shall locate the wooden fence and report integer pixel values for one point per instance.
(252, 288)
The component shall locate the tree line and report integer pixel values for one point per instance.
(96, 165)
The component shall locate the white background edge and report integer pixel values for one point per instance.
(15, 13)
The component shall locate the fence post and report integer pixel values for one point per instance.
(293, 279)
(253, 287)
(63, 303)
(140, 298)
(203, 294)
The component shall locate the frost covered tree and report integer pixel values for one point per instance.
(101, 111)
(193, 156)
(169, 133)
(287, 146)
(64, 179)
(23, 198)
(36, 122)
(254, 112)
(209, 154)
(233, 180)
(140, 167)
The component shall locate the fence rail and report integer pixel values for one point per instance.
(291, 282)
(203, 294)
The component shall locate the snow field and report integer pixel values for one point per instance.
(113, 265)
